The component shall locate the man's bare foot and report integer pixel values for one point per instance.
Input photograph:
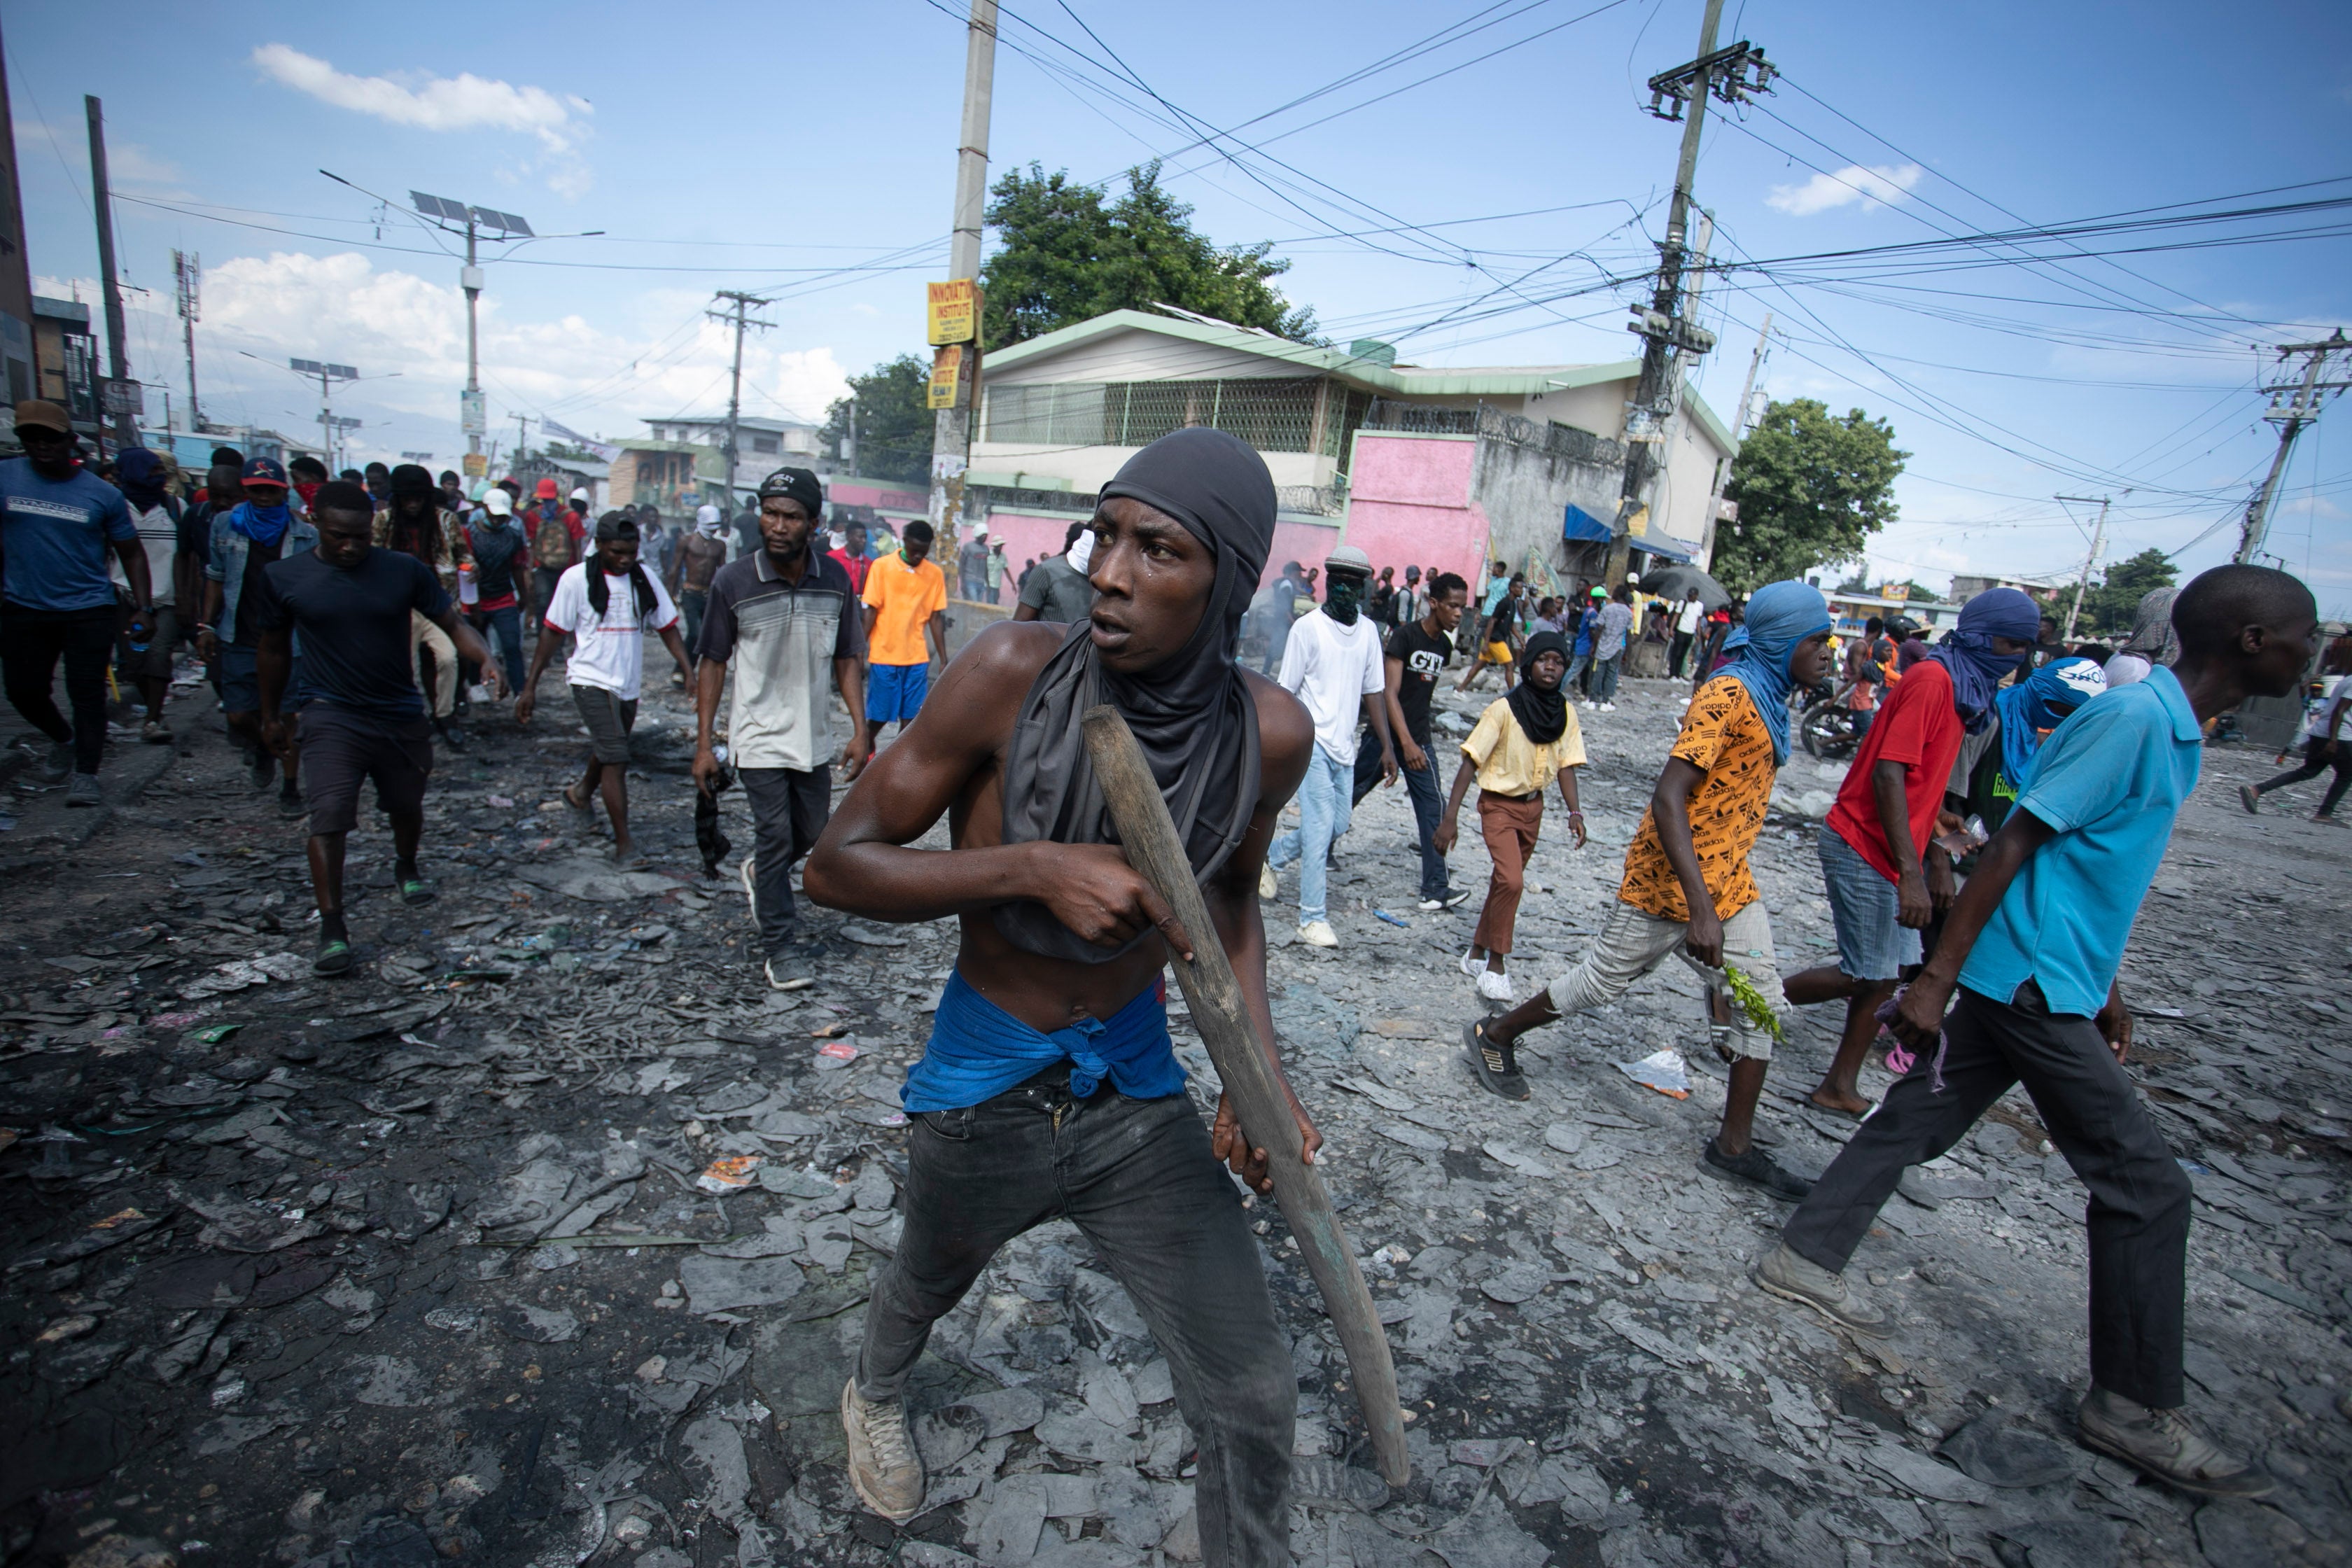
(1845, 1102)
(625, 856)
(573, 798)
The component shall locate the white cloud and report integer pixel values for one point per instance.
(341, 308)
(464, 102)
(1880, 186)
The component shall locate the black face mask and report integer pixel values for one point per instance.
(1344, 598)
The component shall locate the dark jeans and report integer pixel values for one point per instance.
(2139, 1211)
(2315, 762)
(543, 580)
(31, 642)
(1427, 809)
(503, 628)
(1135, 1175)
(788, 809)
(1678, 653)
(690, 604)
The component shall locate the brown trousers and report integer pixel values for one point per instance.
(1510, 829)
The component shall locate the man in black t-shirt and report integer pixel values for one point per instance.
(1416, 655)
(364, 718)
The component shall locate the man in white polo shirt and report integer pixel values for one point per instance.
(1332, 663)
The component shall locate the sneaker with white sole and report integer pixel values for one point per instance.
(1318, 933)
(1608, 708)
(1493, 987)
(1473, 962)
(82, 790)
(1447, 902)
(2165, 1445)
(1266, 886)
(883, 1464)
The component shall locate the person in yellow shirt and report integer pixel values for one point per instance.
(906, 599)
(1523, 742)
(1688, 889)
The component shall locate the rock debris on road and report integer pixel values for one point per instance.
(541, 1238)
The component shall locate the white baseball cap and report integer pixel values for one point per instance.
(497, 502)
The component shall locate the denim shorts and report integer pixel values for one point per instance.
(1871, 945)
(894, 693)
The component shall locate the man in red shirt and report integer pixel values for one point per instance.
(1884, 876)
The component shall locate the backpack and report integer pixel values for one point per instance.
(551, 545)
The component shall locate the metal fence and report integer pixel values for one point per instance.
(1310, 416)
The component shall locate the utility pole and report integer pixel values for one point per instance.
(952, 426)
(1738, 435)
(2090, 562)
(523, 436)
(187, 273)
(739, 304)
(20, 374)
(2293, 404)
(471, 413)
(118, 368)
(1728, 74)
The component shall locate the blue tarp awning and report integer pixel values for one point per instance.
(1666, 548)
(1582, 526)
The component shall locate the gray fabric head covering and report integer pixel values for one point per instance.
(2152, 636)
(1193, 716)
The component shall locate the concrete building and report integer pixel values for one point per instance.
(65, 360)
(762, 446)
(1416, 464)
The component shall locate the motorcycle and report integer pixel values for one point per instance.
(1827, 723)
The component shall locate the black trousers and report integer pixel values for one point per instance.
(1679, 652)
(788, 809)
(2315, 762)
(31, 643)
(1136, 1177)
(2138, 1209)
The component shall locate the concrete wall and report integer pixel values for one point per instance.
(1088, 468)
(1526, 491)
(1039, 534)
(1410, 502)
(881, 497)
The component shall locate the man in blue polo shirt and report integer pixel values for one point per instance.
(57, 523)
(2032, 947)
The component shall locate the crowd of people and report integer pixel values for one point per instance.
(2004, 815)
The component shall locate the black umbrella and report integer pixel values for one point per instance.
(1670, 582)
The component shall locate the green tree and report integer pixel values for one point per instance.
(1812, 488)
(894, 427)
(2110, 607)
(1065, 254)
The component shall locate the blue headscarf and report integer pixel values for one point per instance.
(1966, 651)
(1779, 615)
(261, 524)
(2037, 703)
(138, 474)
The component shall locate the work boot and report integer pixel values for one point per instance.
(2163, 1444)
(82, 790)
(1756, 1169)
(883, 1464)
(1495, 1065)
(1792, 1277)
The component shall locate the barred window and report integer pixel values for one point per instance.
(1272, 415)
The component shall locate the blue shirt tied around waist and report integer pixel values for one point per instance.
(978, 1050)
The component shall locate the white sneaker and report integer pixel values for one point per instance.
(883, 1464)
(1318, 933)
(1266, 887)
(1473, 967)
(1447, 903)
(1608, 708)
(751, 884)
(1589, 702)
(1493, 987)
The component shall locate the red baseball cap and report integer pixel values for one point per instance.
(546, 490)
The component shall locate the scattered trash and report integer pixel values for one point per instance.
(730, 1173)
(1665, 1071)
(1397, 921)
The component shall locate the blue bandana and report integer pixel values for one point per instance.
(262, 524)
(1779, 615)
(1966, 651)
(2037, 703)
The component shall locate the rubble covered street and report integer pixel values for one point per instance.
(542, 1238)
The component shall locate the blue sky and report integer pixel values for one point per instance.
(772, 147)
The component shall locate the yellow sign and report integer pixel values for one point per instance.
(947, 372)
(954, 315)
(477, 466)
(1638, 526)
